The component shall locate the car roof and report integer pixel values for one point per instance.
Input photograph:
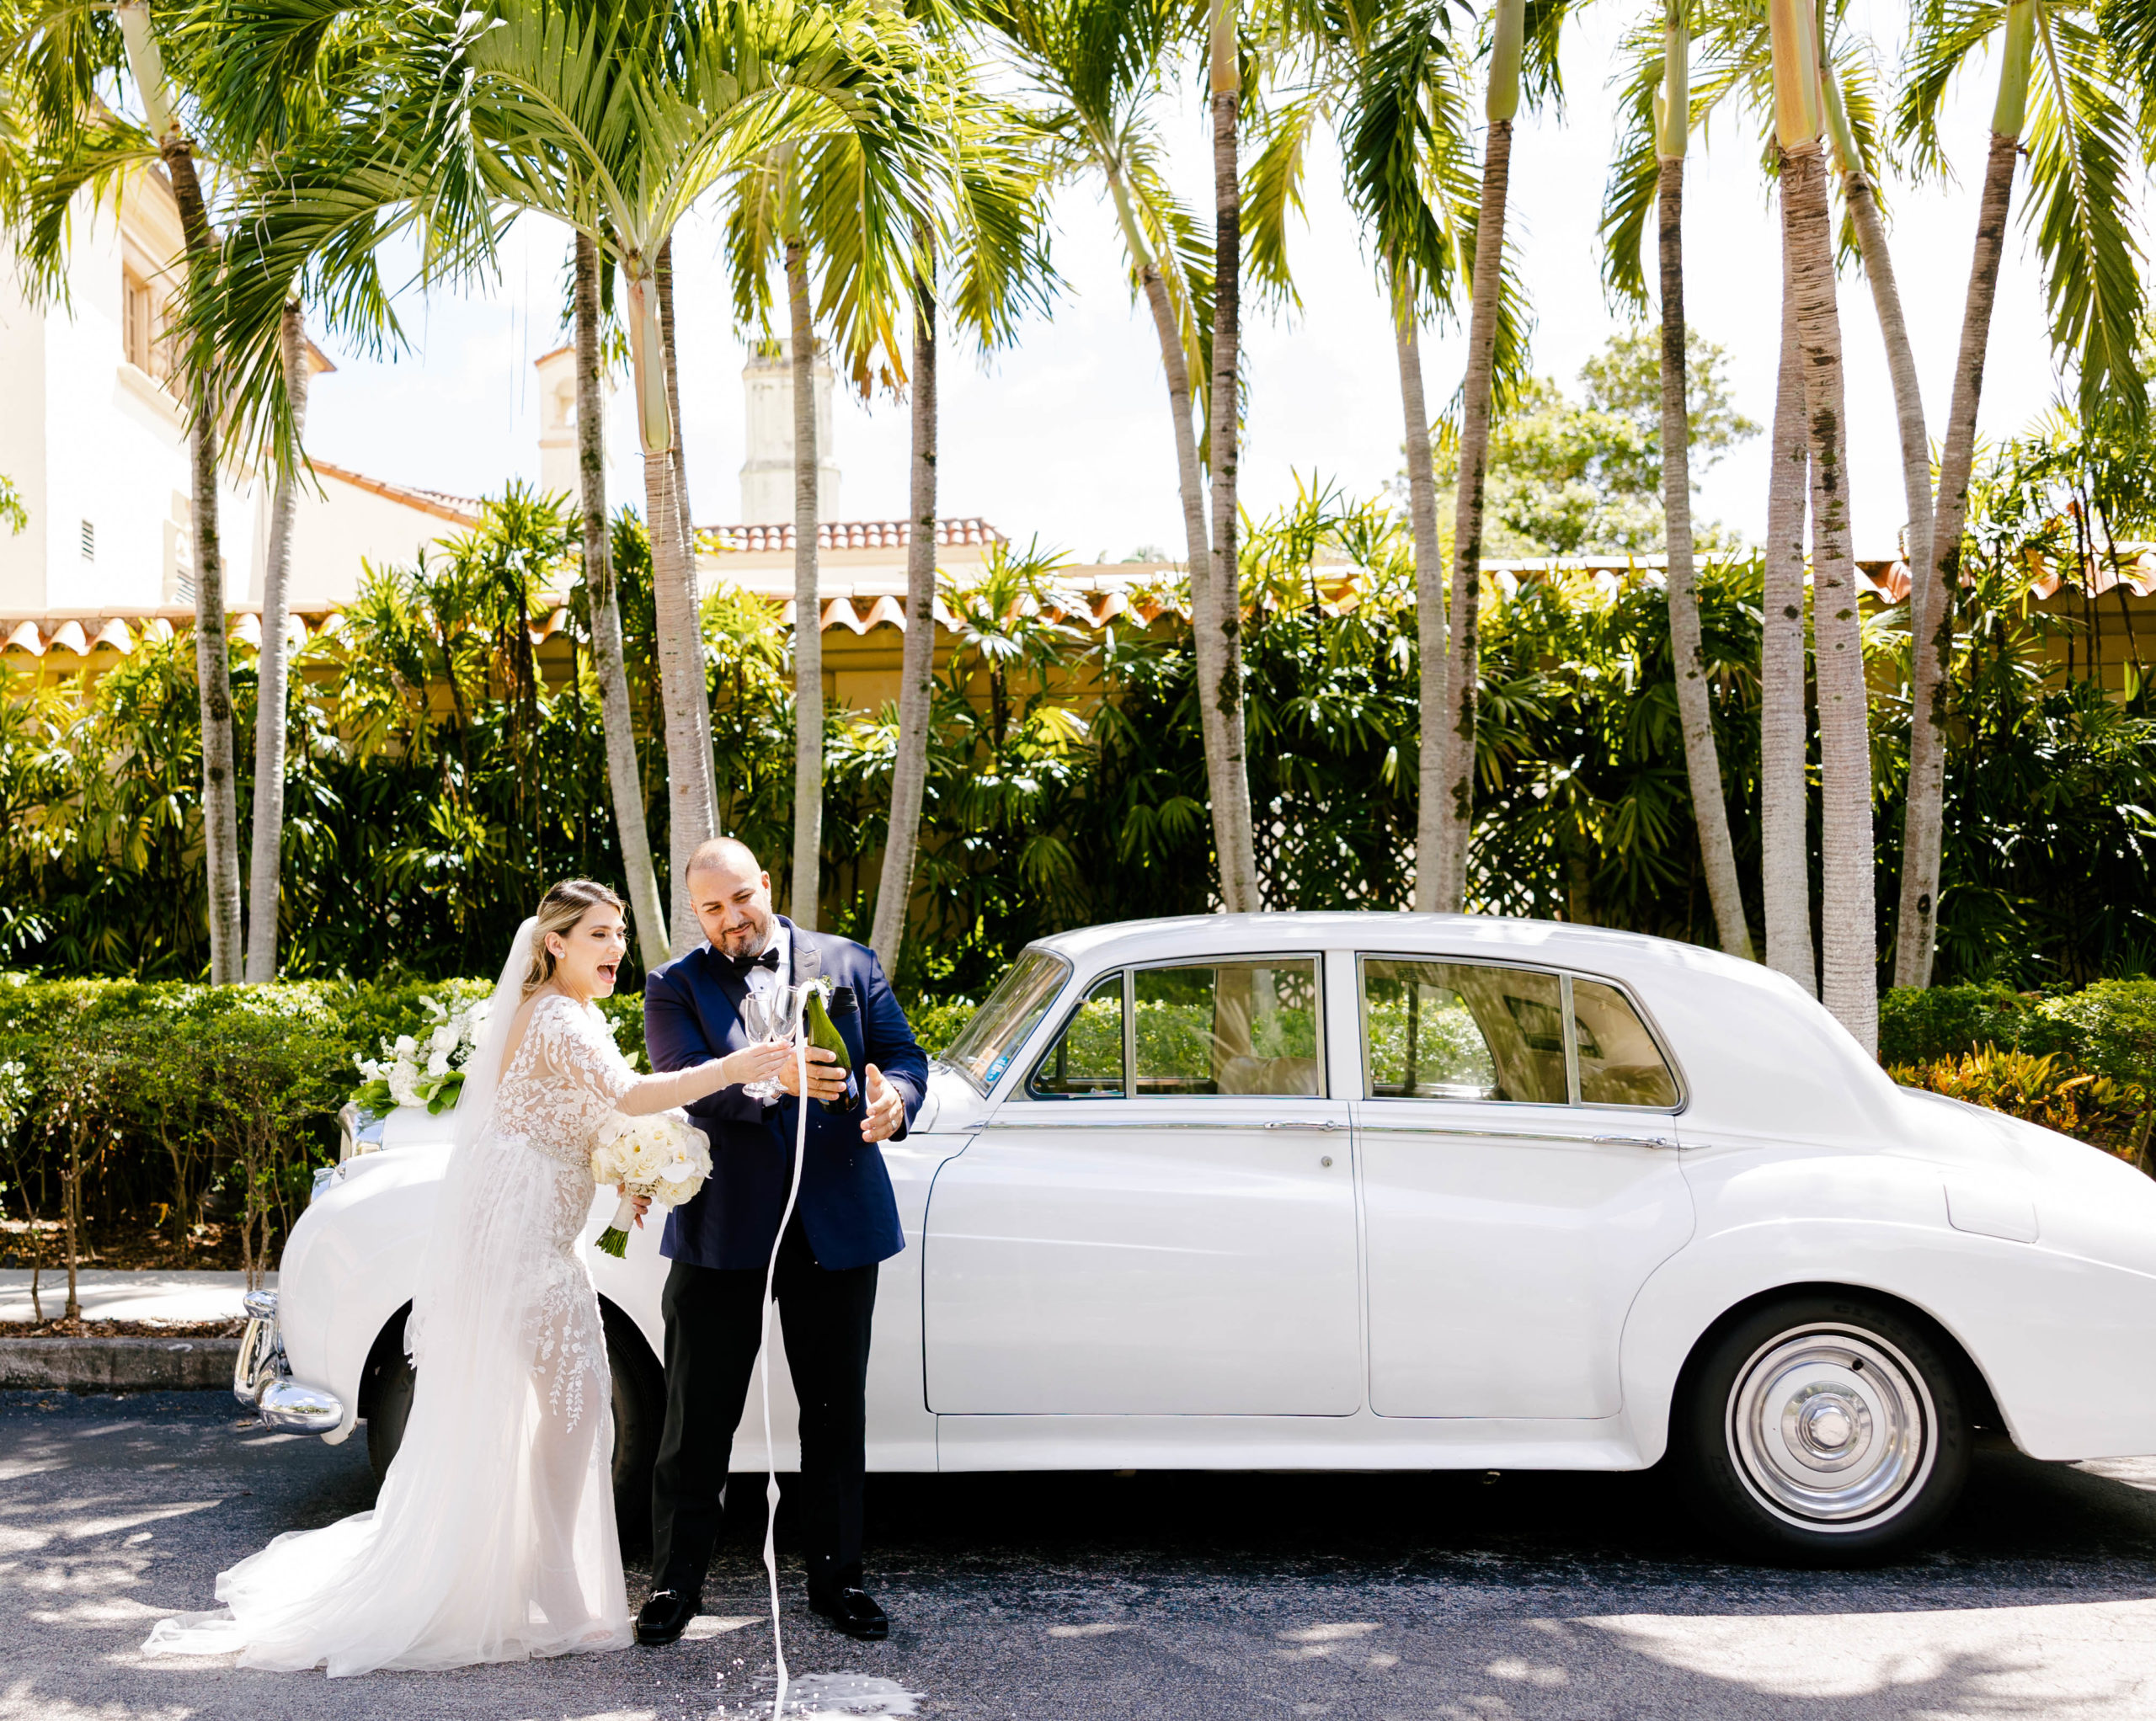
(1553, 941)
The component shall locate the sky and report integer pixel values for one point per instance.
(1066, 436)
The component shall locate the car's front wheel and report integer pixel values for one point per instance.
(1824, 1429)
(639, 1404)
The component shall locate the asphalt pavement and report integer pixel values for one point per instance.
(1054, 1598)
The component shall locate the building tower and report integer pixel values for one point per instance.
(767, 473)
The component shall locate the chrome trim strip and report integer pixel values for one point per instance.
(1159, 1123)
(1578, 1137)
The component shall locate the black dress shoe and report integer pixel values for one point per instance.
(853, 1610)
(666, 1616)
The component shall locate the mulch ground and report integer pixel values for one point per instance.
(121, 1246)
(117, 1329)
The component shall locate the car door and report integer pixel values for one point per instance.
(1163, 1221)
(1517, 1143)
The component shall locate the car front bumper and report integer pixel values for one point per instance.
(262, 1379)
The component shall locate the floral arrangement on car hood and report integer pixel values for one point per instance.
(427, 1071)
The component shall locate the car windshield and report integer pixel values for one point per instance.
(985, 1045)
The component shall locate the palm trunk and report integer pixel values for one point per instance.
(691, 793)
(212, 648)
(807, 610)
(910, 769)
(272, 664)
(1238, 852)
(1913, 921)
(213, 651)
(1848, 964)
(623, 776)
(1694, 704)
(1454, 788)
(1934, 645)
(1429, 583)
(662, 276)
(1204, 596)
(1784, 866)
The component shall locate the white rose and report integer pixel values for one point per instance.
(405, 1045)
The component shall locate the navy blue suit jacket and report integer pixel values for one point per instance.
(691, 1016)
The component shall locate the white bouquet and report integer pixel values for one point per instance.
(662, 1156)
(428, 1072)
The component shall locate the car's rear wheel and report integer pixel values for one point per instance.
(638, 1402)
(1824, 1429)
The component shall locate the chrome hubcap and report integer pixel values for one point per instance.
(1832, 1429)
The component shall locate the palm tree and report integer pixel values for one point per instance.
(1694, 705)
(2083, 135)
(993, 228)
(624, 777)
(1785, 794)
(1239, 869)
(1388, 75)
(1455, 783)
(1100, 63)
(74, 141)
(615, 120)
(1849, 967)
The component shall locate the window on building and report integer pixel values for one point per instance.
(89, 541)
(142, 315)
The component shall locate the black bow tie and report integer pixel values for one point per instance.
(741, 965)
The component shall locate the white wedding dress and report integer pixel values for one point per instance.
(493, 1537)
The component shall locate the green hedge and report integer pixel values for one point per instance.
(167, 1103)
(2107, 1030)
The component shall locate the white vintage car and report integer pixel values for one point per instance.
(1394, 1191)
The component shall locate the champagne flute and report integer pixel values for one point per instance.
(771, 1019)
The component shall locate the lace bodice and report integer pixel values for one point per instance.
(565, 1078)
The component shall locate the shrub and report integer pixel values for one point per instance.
(2112, 1115)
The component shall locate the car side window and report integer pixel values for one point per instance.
(1231, 1027)
(1462, 1030)
(1086, 1063)
(1619, 1063)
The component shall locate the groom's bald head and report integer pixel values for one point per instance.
(731, 894)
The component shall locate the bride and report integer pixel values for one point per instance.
(493, 1538)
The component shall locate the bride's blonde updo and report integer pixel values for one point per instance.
(565, 904)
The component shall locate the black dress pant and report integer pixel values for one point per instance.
(713, 1320)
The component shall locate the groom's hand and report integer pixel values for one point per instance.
(887, 1109)
(824, 1081)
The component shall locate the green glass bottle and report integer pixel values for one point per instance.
(816, 1023)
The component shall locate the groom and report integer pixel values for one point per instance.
(845, 1222)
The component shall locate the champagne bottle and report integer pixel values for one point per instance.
(816, 1023)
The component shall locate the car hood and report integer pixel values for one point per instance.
(2088, 1202)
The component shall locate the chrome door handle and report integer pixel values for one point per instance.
(1303, 1123)
(1632, 1140)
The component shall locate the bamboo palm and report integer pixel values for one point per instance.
(1849, 984)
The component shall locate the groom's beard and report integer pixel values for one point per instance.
(745, 940)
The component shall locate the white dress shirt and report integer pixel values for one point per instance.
(763, 981)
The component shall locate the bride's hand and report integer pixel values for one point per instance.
(643, 1202)
(758, 1063)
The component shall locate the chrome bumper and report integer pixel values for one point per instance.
(262, 1379)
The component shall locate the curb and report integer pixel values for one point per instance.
(130, 1365)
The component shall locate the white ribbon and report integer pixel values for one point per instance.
(771, 1276)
